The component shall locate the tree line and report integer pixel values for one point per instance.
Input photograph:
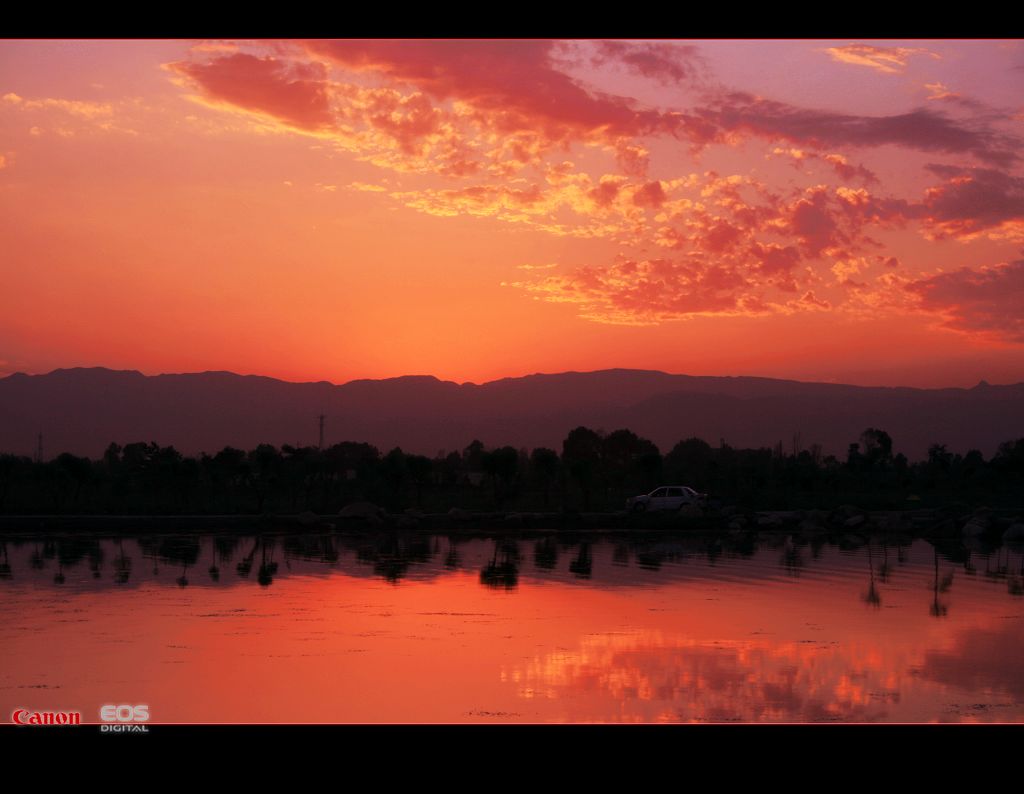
(593, 471)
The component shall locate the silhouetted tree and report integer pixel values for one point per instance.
(877, 446)
(544, 468)
(689, 462)
(581, 455)
(419, 469)
(472, 456)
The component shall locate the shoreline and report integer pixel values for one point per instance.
(1005, 523)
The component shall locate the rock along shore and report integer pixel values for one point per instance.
(949, 522)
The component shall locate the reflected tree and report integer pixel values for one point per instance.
(872, 597)
(938, 608)
(501, 571)
(792, 558)
(545, 554)
(122, 565)
(583, 565)
(214, 569)
(268, 567)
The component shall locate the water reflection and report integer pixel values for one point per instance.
(658, 677)
(503, 569)
(395, 557)
(872, 596)
(630, 627)
(939, 609)
(981, 659)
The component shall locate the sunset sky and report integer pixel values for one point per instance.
(842, 210)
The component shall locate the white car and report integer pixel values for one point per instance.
(667, 497)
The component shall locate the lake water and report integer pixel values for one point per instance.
(413, 627)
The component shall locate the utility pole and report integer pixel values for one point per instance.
(39, 448)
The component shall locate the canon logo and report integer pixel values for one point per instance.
(124, 713)
(26, 717)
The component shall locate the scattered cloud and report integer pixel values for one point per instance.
(923, 129)
(939, 92)
(839, 163)
(985, 300)
(647, 292)
(507, 128)
(367, 188)
(889, 60)
(67, 117)
(513, 86)
(295, 93)
(975, 201)
(666, 62)
(86, 110)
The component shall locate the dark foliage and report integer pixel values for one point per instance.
(595, 471)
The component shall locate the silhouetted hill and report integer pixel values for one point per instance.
(83, 410)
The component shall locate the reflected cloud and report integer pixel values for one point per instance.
(981, 659)
(651, 675)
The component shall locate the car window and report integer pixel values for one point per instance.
(675, 491)
(659, 492)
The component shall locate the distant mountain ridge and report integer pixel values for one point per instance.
(82, 410)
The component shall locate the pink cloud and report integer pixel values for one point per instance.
(889, 60)
(923, 129)
(662, 61)
(774, 258)
(641, 292)
(974, 200)
(813, 221)
(516, 83)
(295, 93)
(986, 299)
(650, 195)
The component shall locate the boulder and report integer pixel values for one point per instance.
(976, 526)
(1015, 532)
(361, 510)
(895, 521)
(307, 518)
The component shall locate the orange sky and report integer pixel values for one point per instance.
(845, 210)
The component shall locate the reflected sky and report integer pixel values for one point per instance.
(603, 628)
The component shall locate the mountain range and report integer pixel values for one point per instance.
(82, 410)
